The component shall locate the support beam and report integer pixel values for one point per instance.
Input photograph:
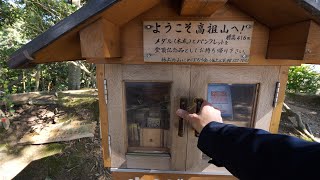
(312, 53)
(103, 114)
(276, 114)
(299, 41)
(200, 7)
(100, 40)
(289, 41)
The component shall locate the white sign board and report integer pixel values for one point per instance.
(197, 41)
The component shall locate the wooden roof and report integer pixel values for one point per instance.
(61, 42)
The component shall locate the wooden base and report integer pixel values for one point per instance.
(167, 176)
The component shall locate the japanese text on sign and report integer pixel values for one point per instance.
(197, 41)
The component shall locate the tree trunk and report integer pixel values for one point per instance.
(36, 88)
(75, 2)
(24, 81)
(74, 77)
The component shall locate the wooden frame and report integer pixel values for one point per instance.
(201, 76)
(116, 75)
(103, 114)
(100, 40)
(276, 115)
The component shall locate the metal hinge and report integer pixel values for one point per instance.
(105, 90)
(276, 94)
(109, 145)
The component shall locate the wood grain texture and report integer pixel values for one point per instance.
(116, 76)
(151, 137)
(180, 88)
(201, 76)
(67, 47)
(276, 114)
(100, 40)
(200, 7)
(274, 13)
(148, 162)
(117, 125)
(164, 176)
(312, 53)
(289, 41)
(132, 34)
(103, 114)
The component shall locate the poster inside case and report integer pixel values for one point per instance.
(219, 95)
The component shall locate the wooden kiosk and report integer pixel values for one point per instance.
(154, 56)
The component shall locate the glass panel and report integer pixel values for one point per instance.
(148, 116)
(235, 101)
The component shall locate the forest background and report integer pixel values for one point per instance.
(23, 20)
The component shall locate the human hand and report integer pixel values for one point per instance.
(199, 121)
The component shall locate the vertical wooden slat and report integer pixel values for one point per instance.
(103, 114)
(275, 120)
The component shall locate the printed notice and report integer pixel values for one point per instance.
(219, 95)
(197, 41)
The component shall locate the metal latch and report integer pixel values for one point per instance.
(276, 94)
(183, 105)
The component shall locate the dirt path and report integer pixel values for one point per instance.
(77, 159)
(309, 107)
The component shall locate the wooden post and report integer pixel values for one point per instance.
(276, 114)
(100, 40)
(103, 114)
(200, 7)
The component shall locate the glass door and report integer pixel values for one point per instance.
(142, 122)
(235, 91)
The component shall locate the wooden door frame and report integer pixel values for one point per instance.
(265, 76)
(116, 76)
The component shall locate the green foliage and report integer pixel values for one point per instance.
(20, 22)
(9, 13)
(302, 79)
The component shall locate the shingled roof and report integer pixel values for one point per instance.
(282, 12)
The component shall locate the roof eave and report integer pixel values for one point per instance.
(23, 57)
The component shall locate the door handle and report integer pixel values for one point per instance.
(198, 102)
(183, 105)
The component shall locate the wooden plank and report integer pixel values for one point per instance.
(289, 41)
(147, 73)
(274, 13)
(312, 53)
(132, 35)
(151, 137)
(165, 176)
(200, 7)
(180, 88)
(67, 47)
(103, 114)
(276, 114)
(100, 40)
(116, 115)
(148, 162)
(217, 42)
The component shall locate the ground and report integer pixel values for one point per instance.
(309, 107)
(77, 159)
(82, 158)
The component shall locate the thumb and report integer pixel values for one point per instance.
(183, 114)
